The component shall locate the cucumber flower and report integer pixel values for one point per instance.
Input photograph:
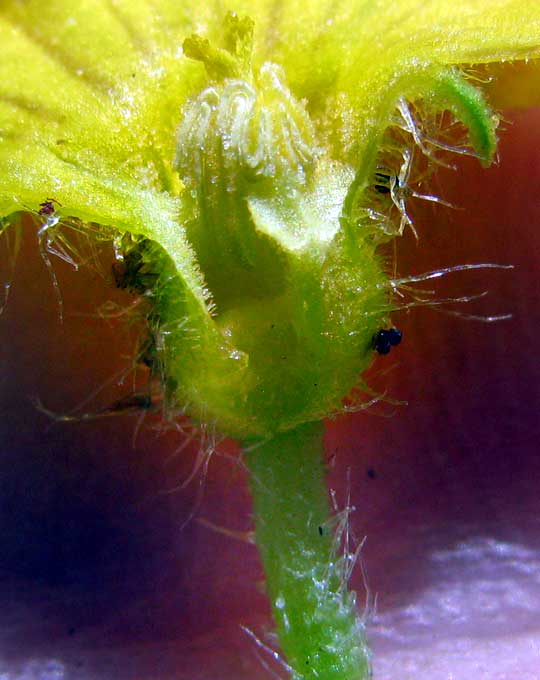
(249, 162)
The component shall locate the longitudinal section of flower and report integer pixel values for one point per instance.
(254, 205)
(286, 234)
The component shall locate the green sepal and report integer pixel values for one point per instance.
(440, 89)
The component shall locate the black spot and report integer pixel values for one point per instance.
(385, 339)
(394, 336)
(132, 273)
(320, 531)
(382, 182)
(47, 208)
(371, 473)
(381, 343)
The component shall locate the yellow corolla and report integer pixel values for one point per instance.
(249, 159)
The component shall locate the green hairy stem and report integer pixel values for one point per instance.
(318, 626)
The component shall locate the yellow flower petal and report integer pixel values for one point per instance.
(102, 83)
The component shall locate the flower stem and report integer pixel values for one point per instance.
(319, 629)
